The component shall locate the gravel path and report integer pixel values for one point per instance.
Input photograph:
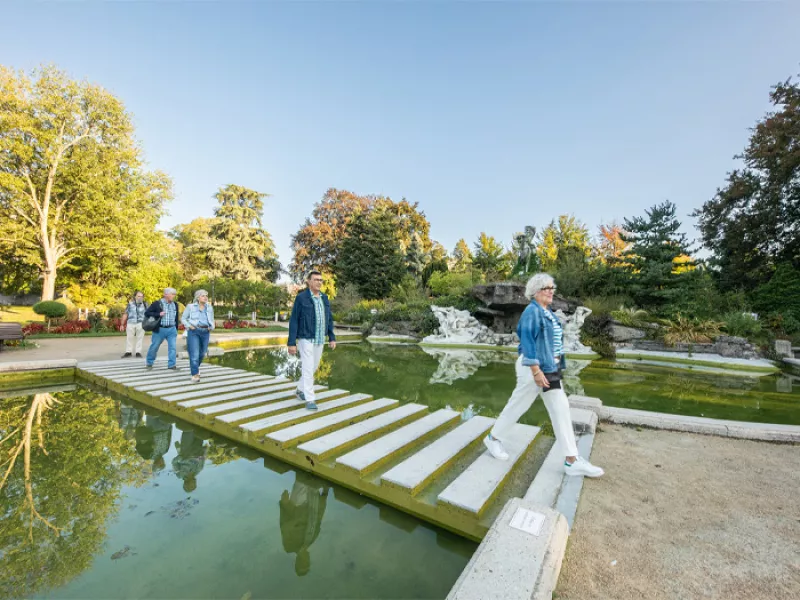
(683, 516)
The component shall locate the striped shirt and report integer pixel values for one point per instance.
(319, 312)
(558, 334)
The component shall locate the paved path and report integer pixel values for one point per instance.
(109, 348)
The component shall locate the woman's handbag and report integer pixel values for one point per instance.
(554, 379)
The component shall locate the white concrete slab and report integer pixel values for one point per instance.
(309, 429)
(477, 485)
(288, 419)
(327, 444)
(206, 379)
(416, 471)
(253, 412)
(372, 455)
(141, 368)
(127, 379)
(38, 365)
(251, 388)
(280, 390)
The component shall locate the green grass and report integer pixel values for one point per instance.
(19, 314)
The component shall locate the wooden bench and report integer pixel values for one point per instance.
(10, 331)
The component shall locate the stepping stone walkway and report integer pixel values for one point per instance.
(430, 464)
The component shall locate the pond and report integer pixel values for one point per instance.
(120, 501)
(484, 380)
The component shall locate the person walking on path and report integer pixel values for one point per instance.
(538, 369)
(198, 319)
(310, 322)
(167, 329)
(132, 324)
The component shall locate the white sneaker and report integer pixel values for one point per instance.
(495, 447)
(195, 378)
(581, 466)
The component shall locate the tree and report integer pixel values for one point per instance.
(612, 247)
(65, 460)
(196, 244)
(564, 234)
(247, 251)
(462, 256)
(655, 244)
(753, 223)
(491, 258)
(415, 257)
(71, 176)
(371, 258)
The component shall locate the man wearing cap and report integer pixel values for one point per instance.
(167, 329)
(198, 319)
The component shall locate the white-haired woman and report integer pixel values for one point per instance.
(538, 368)
(198, 318)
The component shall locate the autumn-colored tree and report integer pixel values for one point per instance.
(491, 258)
(462, 256)
(611, 247)
(566, 233)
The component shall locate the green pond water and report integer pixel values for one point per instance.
(483, 380)
(121, 501)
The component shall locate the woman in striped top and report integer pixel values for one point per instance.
(538, 368)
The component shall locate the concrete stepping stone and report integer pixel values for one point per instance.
(131, 370)
(339, 441)
(150, 376)
(207, 382)
(371, 456)
(251, 388)
(269, 424)
(281, 390)
(129, 363)
(414, 473)
(310, 429)
(290, 402)
(474, 489)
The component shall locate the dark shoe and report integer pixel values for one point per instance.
(126, 355)
(175, 368)
(149, 367)
(138, 355)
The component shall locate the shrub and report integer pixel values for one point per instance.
(32, 329)
(632, 317)
(235, 324)
(116, 311)
(450, 284)
(595, 334)
(741, 324)
(683, 330)
(73, 327)
(459, 302)
(50, 309)
(784, 323)
(347, 297)
(408, 290)
(604, 305)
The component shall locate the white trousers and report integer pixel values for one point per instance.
(135, 335)
(310, 355)
(522, 399)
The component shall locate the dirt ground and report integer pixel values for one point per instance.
(682, 516)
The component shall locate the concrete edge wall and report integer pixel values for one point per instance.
(38, 365)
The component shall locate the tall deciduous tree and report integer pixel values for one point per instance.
(246, 251)
(611, 247)
(565, 234)
(371, 258)
(753, 223)
(491, 258)
(73, 192)
(196, 243)
(655, 244)
(462, 256)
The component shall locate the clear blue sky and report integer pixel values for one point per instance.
(491, 115)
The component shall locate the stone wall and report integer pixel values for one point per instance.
(725, 345)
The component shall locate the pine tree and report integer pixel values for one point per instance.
(655, 244)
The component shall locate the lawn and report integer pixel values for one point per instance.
(19, 314)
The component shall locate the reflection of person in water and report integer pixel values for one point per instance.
(153, 440)
(190, 460)
(301, 517)
(129, 419)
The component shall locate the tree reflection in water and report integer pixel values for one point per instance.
(63, 460)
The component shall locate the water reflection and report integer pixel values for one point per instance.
(302, 510)
(117, 490)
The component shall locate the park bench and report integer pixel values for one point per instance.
(10, 331)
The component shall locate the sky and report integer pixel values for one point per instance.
(490, 115)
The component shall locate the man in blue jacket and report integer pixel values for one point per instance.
(310, 322)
